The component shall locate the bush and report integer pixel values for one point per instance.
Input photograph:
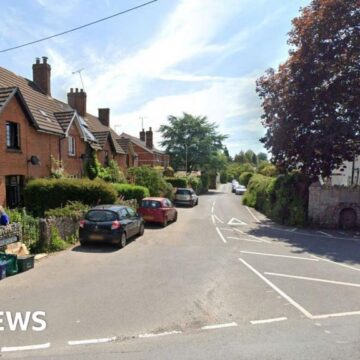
(92, 165)
(205, 181)
(245, 178)
(283, 199)
(177, 182)
(169, 171)
(73, 209)
(195, 183)
(112, 173)
(129, 192)
(268, 170)
(223, 177)
(43, 194)
(168, 191)
(148, 177)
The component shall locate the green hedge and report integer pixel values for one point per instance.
(43, 194)
(129, 192)
(245, 177)
(195, 183)
(283, 199)
(177, 182)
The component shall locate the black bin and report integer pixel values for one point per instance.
(25, 262)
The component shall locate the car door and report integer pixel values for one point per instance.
(134, 221)
(125, 222)
(169, 209)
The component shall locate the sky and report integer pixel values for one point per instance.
(196, 56)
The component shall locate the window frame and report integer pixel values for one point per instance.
(71, 146)
(12, 136)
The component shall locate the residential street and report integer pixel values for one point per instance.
(200, 288)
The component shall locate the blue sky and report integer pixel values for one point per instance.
(197, 56)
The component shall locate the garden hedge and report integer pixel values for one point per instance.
(129, 192)
(177, 182)
(245, 177)
(43, 194)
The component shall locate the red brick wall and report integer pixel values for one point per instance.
(31, 142)
(152, 159)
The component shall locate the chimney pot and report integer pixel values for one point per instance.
(76, 90)
(71, 90)
(81, 90)
(77, 100)
(149, 139)
(37, 60)
(44, 59)
(142, 135)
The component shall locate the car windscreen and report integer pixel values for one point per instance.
(152, 204)
(183, 192)
(100, 215)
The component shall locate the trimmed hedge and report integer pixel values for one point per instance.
(177, 182)
(245, 177)
(129, 192)
(43, 194)
(283, 199)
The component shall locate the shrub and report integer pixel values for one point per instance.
(168, 191)
(73, 209)
(129, 192)
(92, 165)
(223, 177)
(56, 242)
(169, 171)
(268, 170)
(148, 177)
(43, 194)
(205, 181)
(257, 194)
(195, 183)
(177, 182)
(245, 178)
(112, 173)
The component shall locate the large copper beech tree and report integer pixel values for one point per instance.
(312, 102)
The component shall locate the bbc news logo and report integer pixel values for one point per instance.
(14, 321)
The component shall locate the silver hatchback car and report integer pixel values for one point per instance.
(186, 196)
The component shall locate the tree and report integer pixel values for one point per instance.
(240, 158)
(226, 153)
(190, 141)
(261, 157)
(312, 102)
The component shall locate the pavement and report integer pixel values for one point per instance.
(221, 282)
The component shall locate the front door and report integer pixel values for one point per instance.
(14, 187)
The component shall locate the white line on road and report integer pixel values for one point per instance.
(252, 236)
(276, 255)
(236, 222)
(91, 341)
(326, 316)
(255, 322)
(280, 292)
(221, 235)
(166, 333)
(336, 263)
(212, 209)
(25, 348)
(293, 230)
(219, 220)
(213, 219)
(219, 326)
(325, 233)
(313, 279)
(251, 213)
(249, 240)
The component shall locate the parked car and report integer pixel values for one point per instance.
(234, 184)
(158, 210)
(113, 224)
(186, 196)
(240, 190)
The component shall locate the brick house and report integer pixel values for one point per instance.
(145, 151)
(40, 132)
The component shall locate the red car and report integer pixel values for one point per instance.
(159, 210)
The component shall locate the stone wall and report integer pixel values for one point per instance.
(328, 203)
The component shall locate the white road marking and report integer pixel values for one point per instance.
(221, 235)
(166, 333)
(280, 292)
(25, 348)
(252, 236)
(327, 332)
(212, 209)
(293, 230)
(219, 326)
(236, 222)
(213, 219)
(251, 213)
(91, 341)
(249, 240)
(313, 279)
(336, 263)
(213, 204)
(219, 220)
(342, 232)
(276, 255)
(255, 322)
(325, 233)
(326, 316)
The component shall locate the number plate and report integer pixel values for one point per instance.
(96, 237)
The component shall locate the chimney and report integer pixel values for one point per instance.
(104, 116)
(77, 100)
(142, 135)
(149, 139)
(42, 74)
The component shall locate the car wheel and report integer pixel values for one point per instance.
(123, 240)
(165, 223)
(82, 243)
(175, 217)
(142, 229)
(197, 201)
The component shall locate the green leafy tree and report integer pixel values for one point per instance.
(240, 158)
(262, 157)
(311, 103)
(190, 141)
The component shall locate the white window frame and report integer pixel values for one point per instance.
(71, 146)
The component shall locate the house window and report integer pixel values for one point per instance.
(12, 135)
(71, 144)
(107, 159)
